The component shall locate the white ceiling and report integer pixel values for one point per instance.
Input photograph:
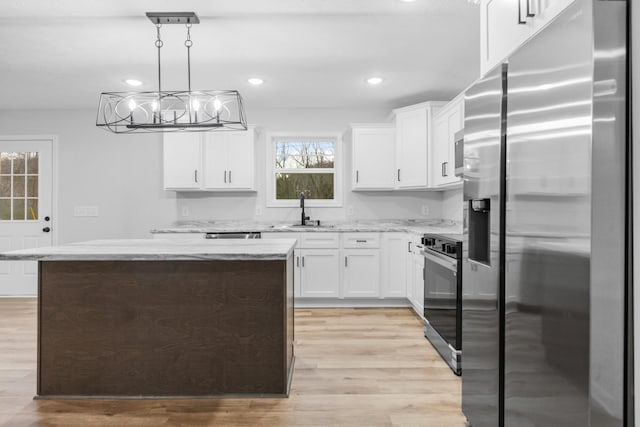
(311, 53)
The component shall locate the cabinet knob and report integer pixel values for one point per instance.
(46, 229)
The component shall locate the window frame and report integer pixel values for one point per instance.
(272, 138)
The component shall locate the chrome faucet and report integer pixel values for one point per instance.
(304, 218)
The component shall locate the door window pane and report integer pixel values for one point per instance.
(32, 209)
(5, 163)
(5, 209)
(18, 209)
(32, 163)
(18, 186)
(32, 186)
(5, 186)
(19, 161)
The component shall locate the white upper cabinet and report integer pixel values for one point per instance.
(214, 161)
(182, 161)
(507, 24)
(373, 151)
(413, 135)
(229, 160)
(446, 124)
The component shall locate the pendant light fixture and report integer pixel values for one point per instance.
(172, 111)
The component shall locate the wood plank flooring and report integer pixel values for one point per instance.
(354, 367)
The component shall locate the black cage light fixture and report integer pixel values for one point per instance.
(172, 111)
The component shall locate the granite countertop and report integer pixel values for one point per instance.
(391, 225)
(158, 250)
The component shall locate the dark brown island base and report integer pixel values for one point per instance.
(154, 318)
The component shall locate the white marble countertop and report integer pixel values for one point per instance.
(391, 225)
(158, 250)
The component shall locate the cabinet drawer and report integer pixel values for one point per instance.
(282, 235)
(313, 240)
(360, 240)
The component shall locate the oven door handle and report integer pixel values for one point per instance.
(446, 263)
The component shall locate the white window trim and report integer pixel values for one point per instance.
(271, 170)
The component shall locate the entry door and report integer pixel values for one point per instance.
(26, 175)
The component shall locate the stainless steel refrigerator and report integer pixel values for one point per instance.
(546, 264)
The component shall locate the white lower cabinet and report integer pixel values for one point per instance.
(319, 273)
(361, 273)
(393, 263)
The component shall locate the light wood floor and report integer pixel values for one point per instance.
(354, 367)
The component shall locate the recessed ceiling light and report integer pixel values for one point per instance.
(407, 1)
(373, 81)
(133, 82)
(255, 81)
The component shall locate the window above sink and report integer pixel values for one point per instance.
(309, 163)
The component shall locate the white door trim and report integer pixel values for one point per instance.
(54, 176)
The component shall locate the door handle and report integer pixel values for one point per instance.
(46, 229)
(229, 177)
(444, 168)
(225, 177)
(302, 261)
(530, 13)
(298, 261)
(345, 261)
(520, 21)
(195, 175)
(357, 176)
(398, 175)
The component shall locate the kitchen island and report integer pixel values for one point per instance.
(156, 318)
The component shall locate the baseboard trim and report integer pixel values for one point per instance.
(348, 303)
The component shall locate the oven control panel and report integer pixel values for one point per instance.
(445, 245)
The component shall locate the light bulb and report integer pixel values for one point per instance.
(256, 81)
(217, 105)
(374, 80)
(132, 104)
(133, 82)
(195, 104)
(154, 106)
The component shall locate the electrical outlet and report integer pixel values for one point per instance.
(425, 210)
(185, 211)
(258, 210)
(350, 211)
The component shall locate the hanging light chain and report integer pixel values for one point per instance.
(188, 43)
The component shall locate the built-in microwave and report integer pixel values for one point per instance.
(459, 152)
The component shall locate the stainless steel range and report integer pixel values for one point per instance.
(443, 296)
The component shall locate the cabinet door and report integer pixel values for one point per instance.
(319, 273)
(440, 149)
(373, 159)
(501, 31)
(215, 161)
(411, 148)
(409, 273)
(240, 159)
(504, 26)
(455, 123)
(361, 273)
(182, 161)
(394, 270)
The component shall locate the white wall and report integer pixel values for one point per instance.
(121, 174)
(452, 204)
(370, 205)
